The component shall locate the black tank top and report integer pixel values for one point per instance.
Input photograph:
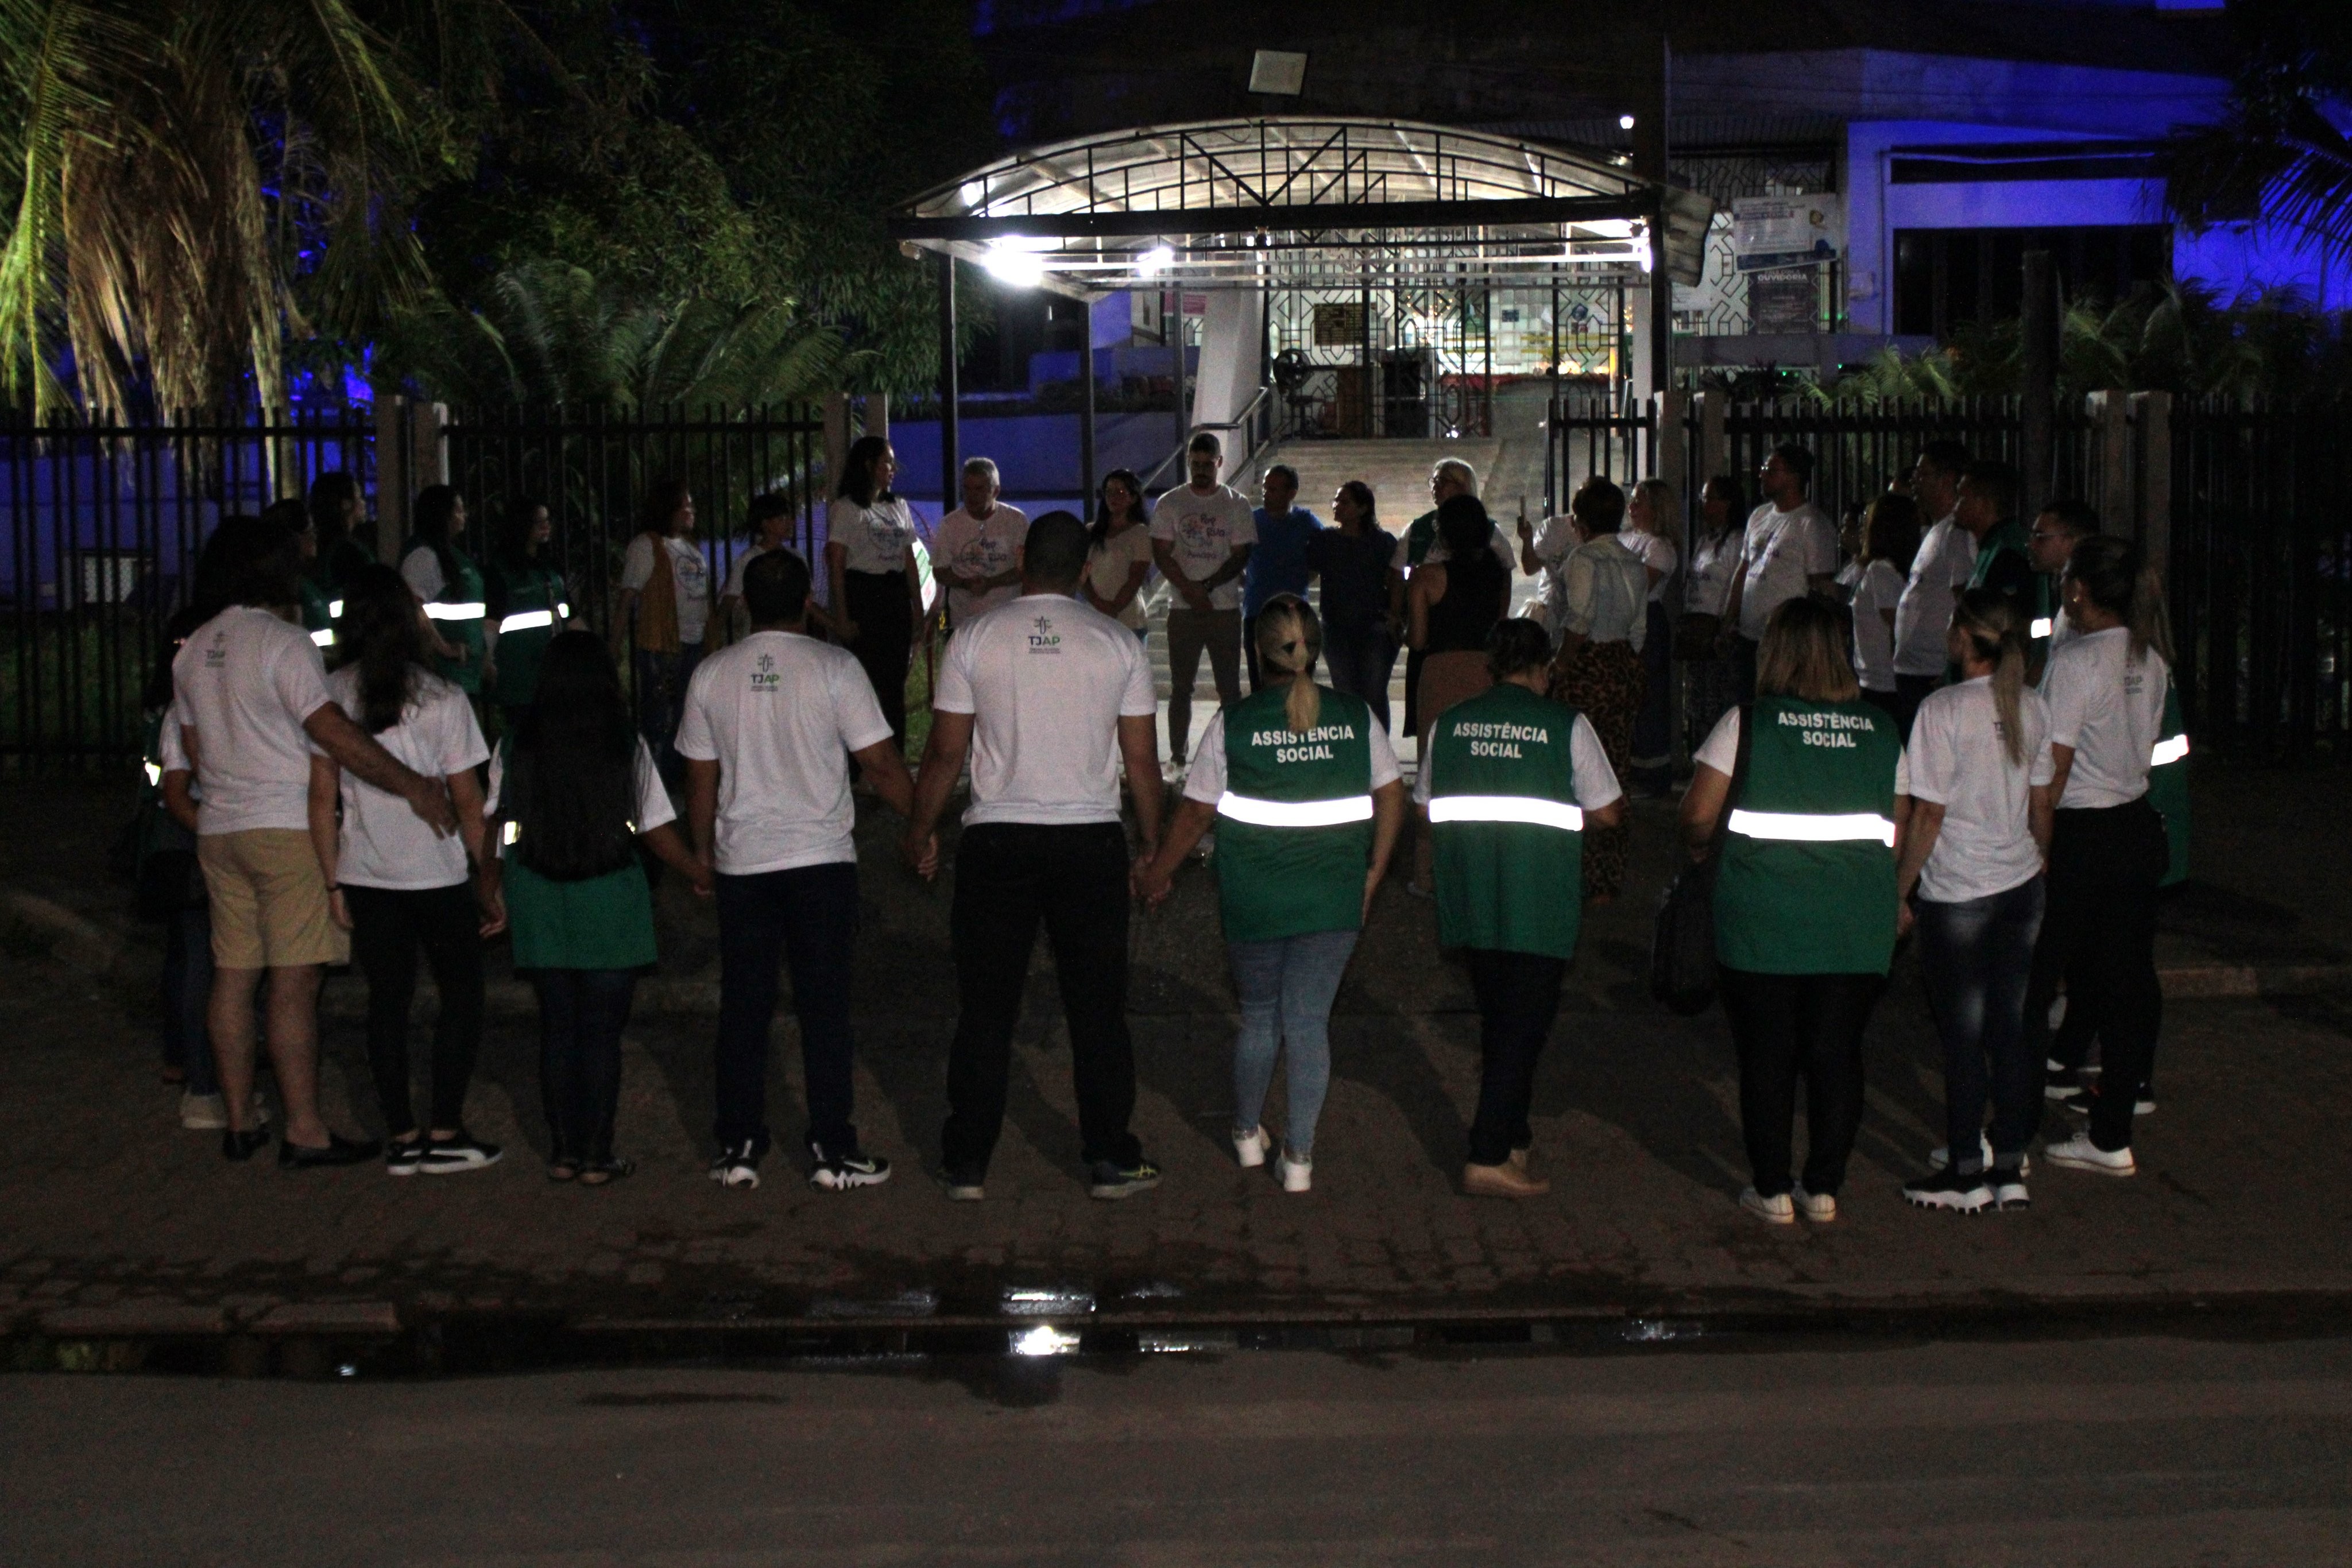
(1461, 622)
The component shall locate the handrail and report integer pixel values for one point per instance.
(1236, 423)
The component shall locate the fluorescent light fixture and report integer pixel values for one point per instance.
(1278, 72)
(1045, 1339)
(1155, 261)
(1625, 122)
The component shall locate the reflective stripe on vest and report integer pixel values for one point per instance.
(472, 612)
(1813, 827)
(335, 608)
(526, 620)
(1528, 808)
(2166, 751)
(324, 636)
(1294, 813)
(2042, 626)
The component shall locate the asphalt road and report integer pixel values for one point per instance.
(2137, 1452)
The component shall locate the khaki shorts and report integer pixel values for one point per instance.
(269, 901)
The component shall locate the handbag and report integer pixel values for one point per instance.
(1682, 945)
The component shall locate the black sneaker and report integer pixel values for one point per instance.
(1949, 1189)
(1109, 1179)
(339, 1150)
(2008, 1184)
(2063, 1084)
(452, 1157)
(839, 1172)
(738, 1165)
(401, 1159)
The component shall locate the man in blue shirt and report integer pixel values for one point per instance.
(1278, 564)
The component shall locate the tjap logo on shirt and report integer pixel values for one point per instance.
(216, 656)
(1043, 638)
(764, 678)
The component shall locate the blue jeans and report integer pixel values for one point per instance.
(662, 681)
(1360, 660)
(1976, 957)
(810, 914)
(1285, 989)
(187, 988)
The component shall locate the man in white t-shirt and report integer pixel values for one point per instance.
(251, 692)
(1939, 574)
(770, 728)
(1049, 697)
(1790, 550)
(1201, 536)
(977, 550)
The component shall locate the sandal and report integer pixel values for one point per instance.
(611, 1169)
(562, 1167)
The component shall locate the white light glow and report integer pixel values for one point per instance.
(1155, 261)
(1013, 259)
(1045, 1339)
(1625, 122)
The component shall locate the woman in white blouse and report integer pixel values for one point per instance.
(877, 588)
(1710, 685)
(1654, 519)
(1603, 621)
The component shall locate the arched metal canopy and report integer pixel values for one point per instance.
(1306, 203)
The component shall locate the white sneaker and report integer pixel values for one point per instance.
(1940, 1157)
(1297, 1175)
(1779, 1210)
(1821, 1207)
(1250, 1148)
(2079, 1154)
(202, 1112)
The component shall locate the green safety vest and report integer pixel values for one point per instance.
(535, 613)
(1420, 538)
(458, 615)
(2008, 536)
(1504, 824)
(2167, 786)
(1294, 823)
(1807, 883)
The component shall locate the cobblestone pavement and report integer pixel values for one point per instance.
(106, 1205)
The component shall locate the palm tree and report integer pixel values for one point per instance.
(187, 173)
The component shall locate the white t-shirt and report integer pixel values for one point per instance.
(1782, 549)
(171, 747)
(1958, 761)
(1202, 532)
(1604, 591)
(2110, 710)
(420, 570)
(1048, 679)
(245, 681)
(1588, 763)
(1110, 562)
(1878, 590)
(1923, 616)
(1658, 554)
(1720, 751)
(653, 801)
(690, 575)
(384, 843)
(971, 547)
(780, 714)
(1714, 563)
(874, 539)
(1206, 781)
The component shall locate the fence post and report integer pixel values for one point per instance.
(1674, 441)
(392, 487)
(2152, 417)
(1712, 404)
(2110, 413)
(836, 436)
(878, 414)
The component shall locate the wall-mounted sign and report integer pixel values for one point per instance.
(1770, 232)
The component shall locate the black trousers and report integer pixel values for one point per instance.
(886, 634)
(1787, 1026)
(807, 915)
(1518, 997)
(1009, 876)
(388, 926)
(2098, 934)
(581, 1015)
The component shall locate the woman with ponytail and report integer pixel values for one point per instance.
(1310, 799)
(2106, 688)
(1979, 771)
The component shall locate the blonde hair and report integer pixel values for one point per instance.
(1996, 633)
(1804, 655)
(1290, 639)
(1661, 497)
(1456, 466)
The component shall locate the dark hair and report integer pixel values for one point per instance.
(1946, 456)
(1284, 470)
(1727, 485)
(1890, 531)
(1054, 552)
(1515, 645)
(2117, 577)
(428, 520)
(1361, 494)
(248, 561)
(1100, 530)
(769, 504)
(1599, 505)
(382, 637)
(858, 470)
(330, 492)
(2000, 478)
(2075, 518)
(288, 514)
(776, 587)
(1797, 461)
(663, 498)
(514, 535)
(570, 784)
(1464, 525)
(1995, 628)
(1205, 442)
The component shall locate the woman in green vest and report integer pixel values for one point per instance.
(1804, 898)
(1510, 782)
(528, 604)
(1303, 787)
(450, 586)
(573, 793)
